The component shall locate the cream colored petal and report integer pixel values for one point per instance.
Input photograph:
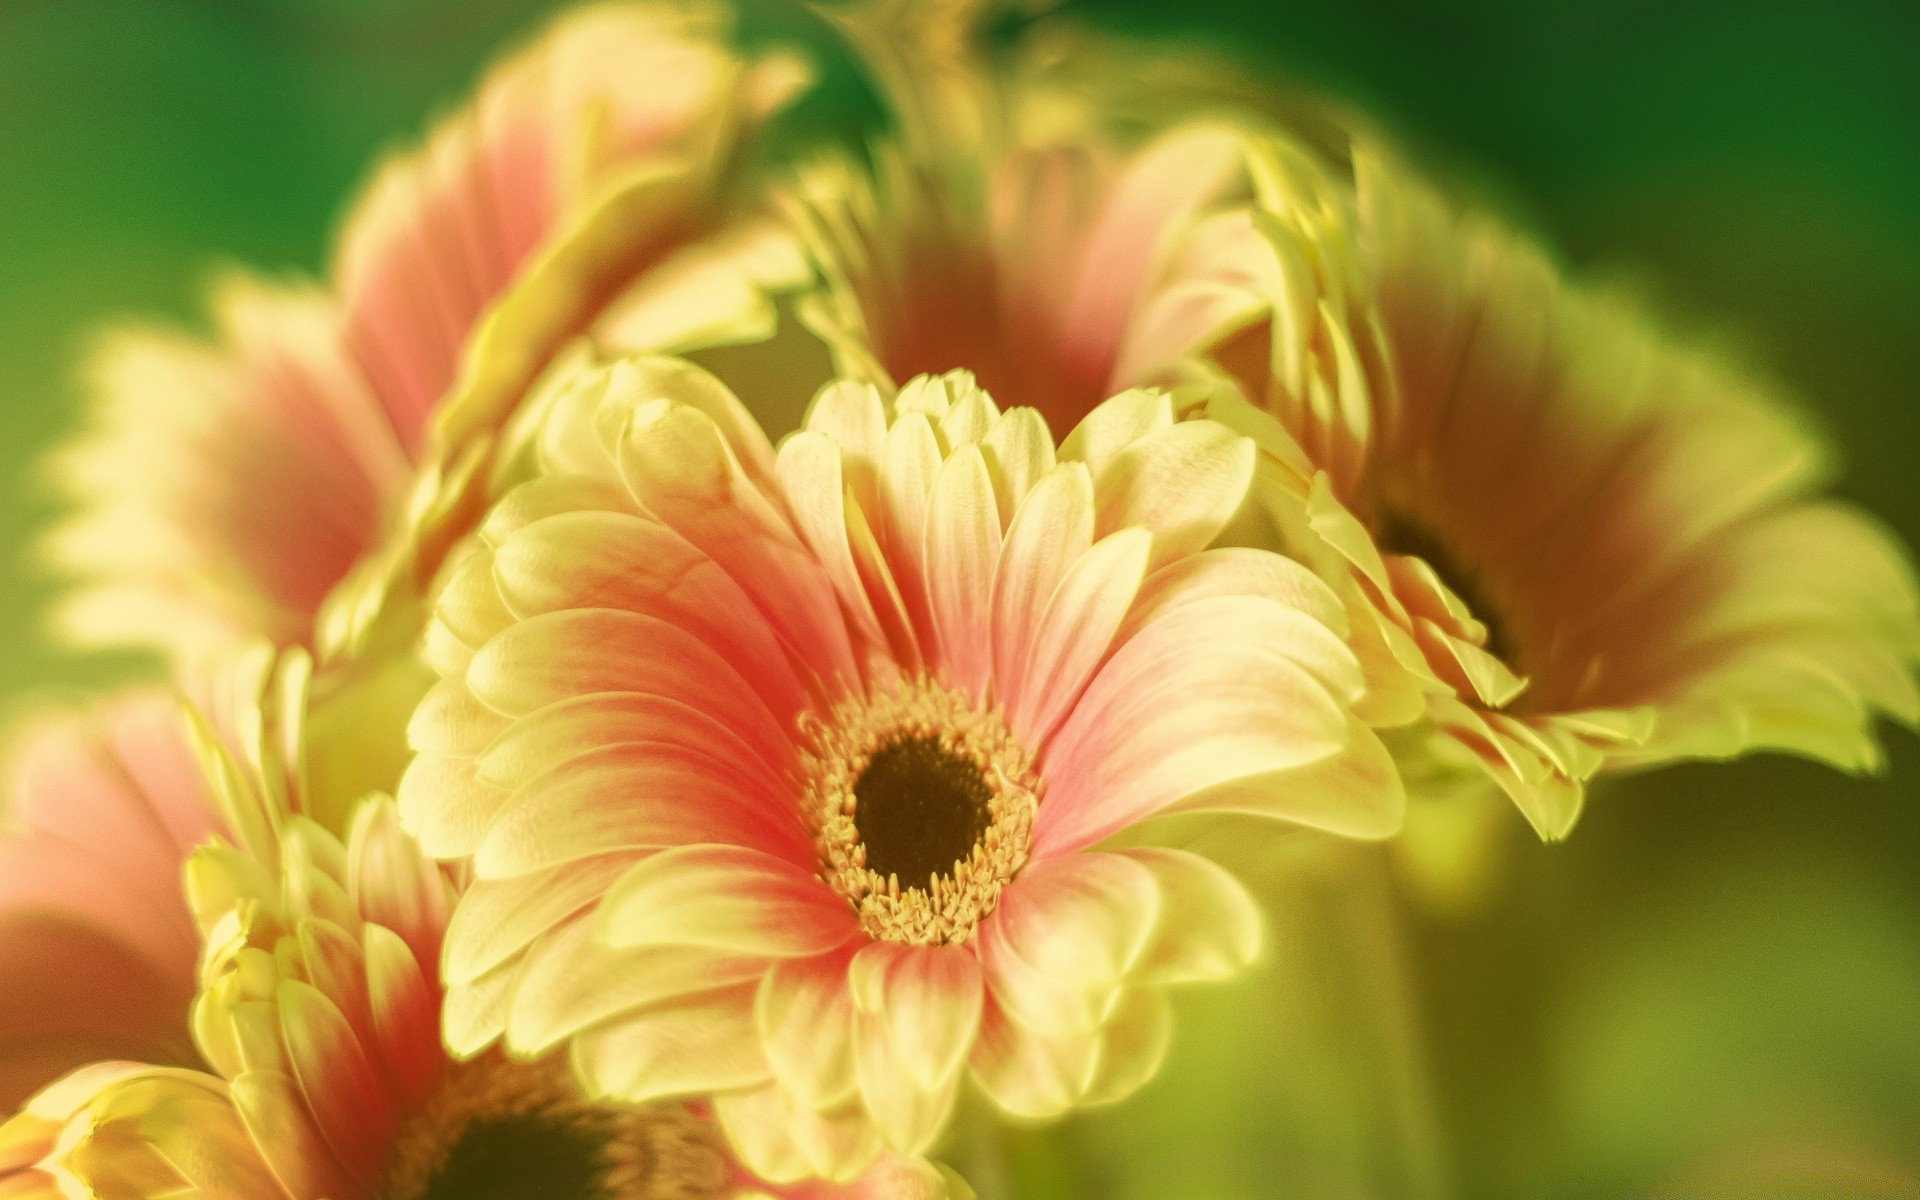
(1132, 1046)
(1184, 483)
(804, 1013)
(498, 919)
(1018, 450)
(784, 1142)
(474, 1015)
(1029, 1074)
(816, 492)
(271, 1108)
(1115, 425)
(907, 475)
(444, 803)
(1209, 927)
(908, 1116)
(1063, 937)
(725, 898)
(962, 548)
(1209, 694)
(570, 981)
(1235, 571)
(692, 1046)
(927, 998)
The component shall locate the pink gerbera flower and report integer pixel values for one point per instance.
(229, 487)
(96, 944)
(317, 1016)
(1595, 546)
(789, 778)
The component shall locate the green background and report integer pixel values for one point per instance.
(1721, 967)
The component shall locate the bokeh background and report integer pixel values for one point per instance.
(1712, 990)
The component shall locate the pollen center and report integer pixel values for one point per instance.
(503, 1130)
(921, 806)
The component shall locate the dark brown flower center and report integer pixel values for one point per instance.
(503, 1130)
(921, 806)
(920, 809)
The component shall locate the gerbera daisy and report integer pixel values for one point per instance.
(318, 1012)
(1020, 258)
(96, 944)
(1597, 546)
(787, 778)
(228, 487)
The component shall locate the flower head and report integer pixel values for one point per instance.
(96, 944)
(1594, 546)
(318, 1013)
(228, 488)
(782, 776)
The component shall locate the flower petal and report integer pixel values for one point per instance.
(908, 1116)
(1184, 483)
(1031, 1074)
(350, 1106)
(571, 980)
(962, 548)
(1064, 935)
(1209, 694)
(805, 1017)
(626, 797)
(726, 898)
(1209, 927)
(1076, 631)
(928, 999)
(692, 1046)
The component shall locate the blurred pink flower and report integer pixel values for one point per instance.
(97, 947)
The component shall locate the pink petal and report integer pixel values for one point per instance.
(677, 465)
(1204, 696)
(1051, 529)
(581, 560)
(342, 1090)
(636, 797)
(1076, 631)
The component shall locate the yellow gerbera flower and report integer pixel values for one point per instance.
(782, 775)
(318, 1011)
(1598, 547)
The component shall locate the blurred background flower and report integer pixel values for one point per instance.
(1709, 990)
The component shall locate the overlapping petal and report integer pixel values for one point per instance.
(1534, 501)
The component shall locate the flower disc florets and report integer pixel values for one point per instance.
(922, 807)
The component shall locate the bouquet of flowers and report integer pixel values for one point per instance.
(707, 645)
